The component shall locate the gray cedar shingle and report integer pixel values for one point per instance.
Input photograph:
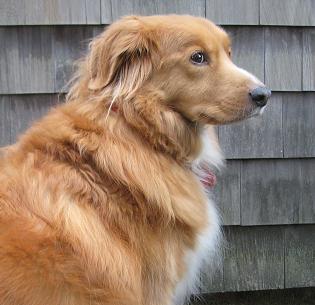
(254, 258)
(212, 279)
(32, 12)
(69, 45)
(18, 112)
(248, 49)
(283, 59)
(25, 109)
(309, 59)
(300, 256)
(26, 60)
(114, 9)
(12, 12)
(306, 177)
(40, 59)
(299, 124)
(258, 137)
(287, 12)
(243, 12)
(93, 11)
(5, 133)
(27, 54)
(227, 193)
(277, 191)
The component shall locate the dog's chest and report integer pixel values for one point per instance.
(203, 256)
(199, 259)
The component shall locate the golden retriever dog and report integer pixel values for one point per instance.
(104, 200)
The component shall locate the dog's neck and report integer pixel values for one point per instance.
(162, 127)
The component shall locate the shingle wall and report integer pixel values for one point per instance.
(267, 192)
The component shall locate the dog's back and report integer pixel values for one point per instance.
(103, 201)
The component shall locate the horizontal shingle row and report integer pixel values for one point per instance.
(250, 191)
(266, 257)
(35, 12)
(18, 112)
(285, 130)
(40, 59)
(267, 192)
(236, 12)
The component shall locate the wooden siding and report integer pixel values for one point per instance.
(233, 12)
(31, 12)
(243, 197)
(309, 59)
(283, 57)
(264, 257)
(266, 194)
(300, 256)
(39, 59)
(226, 12)
(239, 140)
(287, 12)
(18, 112)
(228, 193)
(299, 125)
(112, 10)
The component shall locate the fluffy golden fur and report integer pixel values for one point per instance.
(99, 201)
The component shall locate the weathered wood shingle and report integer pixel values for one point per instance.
(41, 59)
(248, 49)
(24, 110)
(69, 45)
(228, 193)
(300, 256)
(47, 52)
(254, 259)
(233, 12)
(277, 192)
(283, 59)
(258, 137)
(26, 60)
(31, 12)
(299, 125)
(287, 12)
(309, 59)
(18, 112)
(264, 257)
(112, 9)
(5, 132)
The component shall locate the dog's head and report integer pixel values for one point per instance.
(186, 59)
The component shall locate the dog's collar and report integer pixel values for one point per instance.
(209, 179)
(114, 108)
(206, 176)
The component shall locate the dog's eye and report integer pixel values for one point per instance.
(198, 58)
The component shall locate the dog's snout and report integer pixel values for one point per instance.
(260, 96)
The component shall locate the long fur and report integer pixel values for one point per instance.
(101, 202)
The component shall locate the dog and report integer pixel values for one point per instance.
(104, 200)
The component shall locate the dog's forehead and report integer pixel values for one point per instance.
(185, 29)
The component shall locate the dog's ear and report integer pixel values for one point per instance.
(122, 58)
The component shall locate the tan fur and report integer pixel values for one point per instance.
(100, 206)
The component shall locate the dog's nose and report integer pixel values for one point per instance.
(260, 96)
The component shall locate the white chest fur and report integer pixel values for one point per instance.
(203, 256)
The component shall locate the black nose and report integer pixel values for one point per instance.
(260, 96)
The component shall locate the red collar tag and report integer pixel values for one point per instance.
(114, 108)
(209, 179)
